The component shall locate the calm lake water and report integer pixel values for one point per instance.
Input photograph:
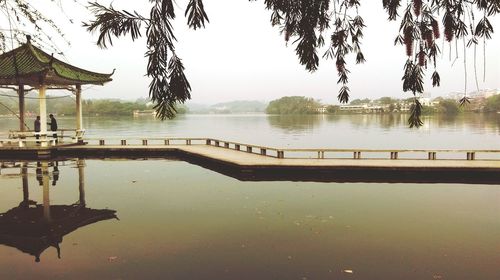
(164, 219)
(472, 131)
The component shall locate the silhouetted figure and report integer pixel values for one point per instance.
(55, 174)
(53, 126)
(37, 128)
(39, 175)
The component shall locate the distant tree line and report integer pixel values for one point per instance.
(111, 107)
(299, 105)
(91, 107)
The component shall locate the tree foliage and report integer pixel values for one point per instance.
(22, 18)
(360, 101)
(492, 104)
(310, 24)
(290, 105)
(466, 21)
(448, 106)
(169, 84)
(332, 109)
(386, 100)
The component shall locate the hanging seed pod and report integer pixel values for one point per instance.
(449, 27)
(340, 63)
(408, 40)
(417, 7)
(428, 38)
(448, 34)
(435, 28)
(341, 36)
(421, 57)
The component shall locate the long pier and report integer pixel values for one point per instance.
(255, 163)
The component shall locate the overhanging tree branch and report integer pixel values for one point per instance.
(306, 23)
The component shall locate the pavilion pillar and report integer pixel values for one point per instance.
(46, 191)
(42, 102)
(81, 181)
(79, 114)
(26, 194)
(20, 93)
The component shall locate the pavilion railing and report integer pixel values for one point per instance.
(63, 134)
(28, 142)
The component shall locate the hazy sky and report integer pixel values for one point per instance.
(239, 56)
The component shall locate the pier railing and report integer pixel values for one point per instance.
(29, 142)
(313, 153)
(23, 138)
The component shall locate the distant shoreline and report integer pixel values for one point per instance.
(262, 114)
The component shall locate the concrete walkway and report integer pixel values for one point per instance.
(242, 158)
(255, 167)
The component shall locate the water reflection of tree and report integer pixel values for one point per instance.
(358, 121)
(32, 228)
(445, 120)
(497, 122)
(477, 121)
(304, 123)
(295, 123)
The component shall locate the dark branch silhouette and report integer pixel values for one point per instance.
(169, 84)
(308, 22)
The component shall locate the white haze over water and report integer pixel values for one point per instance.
(240, 56)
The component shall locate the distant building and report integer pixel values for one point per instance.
(426, 100)
(353, 107)
(404, 107)
(321, 110)
(365, 108)
(144, 112)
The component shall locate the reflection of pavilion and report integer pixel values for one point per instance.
(32, 228)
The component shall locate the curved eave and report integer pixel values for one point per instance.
(67, 72)
(47, 70)
(54, 77)
(49, 78)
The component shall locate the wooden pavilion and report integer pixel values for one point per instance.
(28, 65)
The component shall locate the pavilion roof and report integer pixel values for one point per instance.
(29, 65)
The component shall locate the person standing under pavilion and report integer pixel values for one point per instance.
(53, 126)
(37, 126)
